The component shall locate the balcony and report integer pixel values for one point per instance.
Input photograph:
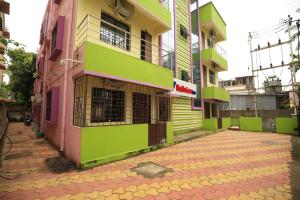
(214, 58)
(210, 19)
(155, 11)
(121, 55)
(215, 93)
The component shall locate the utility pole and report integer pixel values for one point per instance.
(253, 75)
(292, 66)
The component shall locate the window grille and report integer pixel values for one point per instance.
(114, 32)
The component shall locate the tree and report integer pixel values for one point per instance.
(21, 70)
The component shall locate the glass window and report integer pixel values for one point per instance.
(114, 32)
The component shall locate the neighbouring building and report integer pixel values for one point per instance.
(209, 59)
(4, 33)
(239, 85)
(120, 76)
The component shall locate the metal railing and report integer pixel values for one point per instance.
(165, 3)
(101, 32)
(217, 48)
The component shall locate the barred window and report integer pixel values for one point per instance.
(107, 105)
(163, 109)
(114, 32)
(141, 108)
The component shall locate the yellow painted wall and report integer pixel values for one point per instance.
(183, 117)
(183, 45)
(210, 68)
(137, 23)
(129, 89)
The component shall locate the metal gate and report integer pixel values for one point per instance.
(157, 134)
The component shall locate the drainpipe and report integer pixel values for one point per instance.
(65, 81)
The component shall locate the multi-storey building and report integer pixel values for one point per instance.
(239, 85)
(102, 91)
(209, 28)
(4, 33)
(118, 76)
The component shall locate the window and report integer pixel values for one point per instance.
(114, 32)
(52, 105)
(211, 77)
(141, 108)
(53, 41)
(163, 109)
(183, 31)
(107, 105)
(206, 110)
(185, 76)
(48, 106)
(57, 38)
(210, 43)
(197, 103)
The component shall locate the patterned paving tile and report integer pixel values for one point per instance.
(227, 165)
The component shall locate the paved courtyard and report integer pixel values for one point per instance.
(226, 165)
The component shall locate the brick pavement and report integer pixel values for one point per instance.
(227, 165)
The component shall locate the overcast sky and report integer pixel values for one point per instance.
(241, 16)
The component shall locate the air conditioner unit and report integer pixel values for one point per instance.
(212, 34)
(124, 8)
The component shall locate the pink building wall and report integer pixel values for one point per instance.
(63, 135)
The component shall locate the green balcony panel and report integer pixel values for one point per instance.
(210, 56)
(215, 93)
(210, 19)
(111, 63)
(156, 12)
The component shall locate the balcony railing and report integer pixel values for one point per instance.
(217, 47)
(101, 32)
(165, 3)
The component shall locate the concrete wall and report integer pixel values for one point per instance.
(286, 125)
(251, 124)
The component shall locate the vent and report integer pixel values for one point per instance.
(123, 8)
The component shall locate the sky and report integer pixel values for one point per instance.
(241, 17)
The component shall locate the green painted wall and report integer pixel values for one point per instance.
(210, 124)
(251, 124)
(106, 143)
(209, 13)
(226, 123)
(235, 122)
(286, 124)
(216, 93)
(107, 61)
(211, 54)
(157, 9)
(170, 133)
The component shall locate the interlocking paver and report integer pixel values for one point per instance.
(227, 165)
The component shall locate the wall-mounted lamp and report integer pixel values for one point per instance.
(64, 61)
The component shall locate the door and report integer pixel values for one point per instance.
(157, 134)
(204, 76)
(146, 46)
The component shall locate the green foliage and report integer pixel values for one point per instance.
(21, 71)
